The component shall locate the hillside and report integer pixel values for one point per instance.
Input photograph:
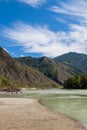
(76, 60)
(53, 70)
(14, 74)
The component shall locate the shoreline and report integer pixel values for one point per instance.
(24, 114)
(57, 112)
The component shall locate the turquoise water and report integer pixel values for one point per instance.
(70, 102)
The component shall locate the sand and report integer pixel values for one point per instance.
(29, 114)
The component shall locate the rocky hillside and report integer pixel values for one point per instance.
(18, 74)
(40, 72)
(53, 70)
(75, 60)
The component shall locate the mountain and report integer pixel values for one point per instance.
(75, 60)
(14, 73)
(40, 72)
(52, 69)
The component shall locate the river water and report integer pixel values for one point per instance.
(70, 102)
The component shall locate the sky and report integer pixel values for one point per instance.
(43, 27)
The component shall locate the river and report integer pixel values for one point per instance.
(70, 102)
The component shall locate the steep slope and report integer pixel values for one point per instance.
(17, 73)
(76, 60)
(54, 70)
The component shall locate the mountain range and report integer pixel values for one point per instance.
(52, 69)
(40, 72)
(21, 75)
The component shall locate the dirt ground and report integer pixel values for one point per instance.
(28, 114)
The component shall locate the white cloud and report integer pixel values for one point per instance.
(6, 50)
(38, 39)
(76, 9)
(22, 55)
(33, 3)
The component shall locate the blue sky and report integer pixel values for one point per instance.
(43, 27)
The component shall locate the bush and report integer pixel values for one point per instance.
(78, 82)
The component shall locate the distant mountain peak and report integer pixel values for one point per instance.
(75, 53)
(74, 59)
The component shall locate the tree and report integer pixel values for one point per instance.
(78, 82)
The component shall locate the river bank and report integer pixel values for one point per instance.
(24, 114)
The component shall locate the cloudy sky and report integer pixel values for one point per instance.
(43, 27)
